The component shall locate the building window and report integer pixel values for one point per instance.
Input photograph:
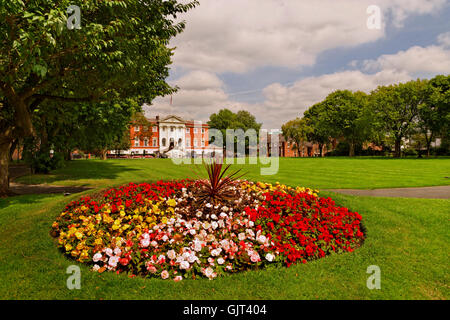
(195, 130)
(145, 142)
(188, 130)
(136, 128)
(180, 142)
(203, 143)
(136, 142)
(145, 128)
(171, 129)
(195, 142)
(163, 142)
(154, 142)
(188, 142)
(203, 130)
(155, 129)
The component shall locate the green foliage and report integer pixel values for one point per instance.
(226, 119)
(297, 130)
(42, 162)
(395, 107)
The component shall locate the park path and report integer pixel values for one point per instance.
(19, 170)
(21, 189)
(437, 192)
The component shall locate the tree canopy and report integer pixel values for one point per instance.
(120, 52)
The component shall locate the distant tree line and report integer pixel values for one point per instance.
(418, 111)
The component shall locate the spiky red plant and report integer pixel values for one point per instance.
(217, 188)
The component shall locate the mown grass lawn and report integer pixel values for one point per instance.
(322, 173)
(407, 238)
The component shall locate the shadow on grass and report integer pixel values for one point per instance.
(79, 170)
(25, 199)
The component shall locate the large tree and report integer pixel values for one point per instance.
(395, 109)
(320, 131)
(343, 112)
(121, 51)
(436, 112)
(226, 119)
(297, 130)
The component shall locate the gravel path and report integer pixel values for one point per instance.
(438, 192)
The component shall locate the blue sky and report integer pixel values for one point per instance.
(278, 58)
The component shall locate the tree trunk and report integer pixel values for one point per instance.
(5, 146)
(321, 149)
(103, 154)
(68, 156)
(351, 153)
(397, 150)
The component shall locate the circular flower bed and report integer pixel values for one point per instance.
(167, 230)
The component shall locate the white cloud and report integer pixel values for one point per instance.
(416, 60)
(281, 102)
(444, 39)
(237, 36)
(285, 103)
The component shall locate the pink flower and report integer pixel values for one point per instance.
(165, 274)
(145, 242)
(151, 268)
(178, 278)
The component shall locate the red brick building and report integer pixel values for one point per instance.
(173, 136)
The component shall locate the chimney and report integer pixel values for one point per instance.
(157, 118)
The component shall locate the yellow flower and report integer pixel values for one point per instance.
(155, 209)
(98, 241)
(79, 235)
(122, 213)
(171, 202)
(68, 247)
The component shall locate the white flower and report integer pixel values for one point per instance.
(113, 261)
(251, 223)
(165, 238)
(206, 225)
(213, 216)
(261, 239)
(145, 242)
(154, 243)
(214, 225)
(199, 214)
(216, 252)
(171, 254)
(109, 251)
(223, 215)
(97, 257)
(145, 236)
(209, 272)
(192, 258)
(117, 251)
(197, 245)
(95, 267)
(241, 236)
(270, 257)
(184, 265)
(220, 261)
(208, 205)
(192, 231)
